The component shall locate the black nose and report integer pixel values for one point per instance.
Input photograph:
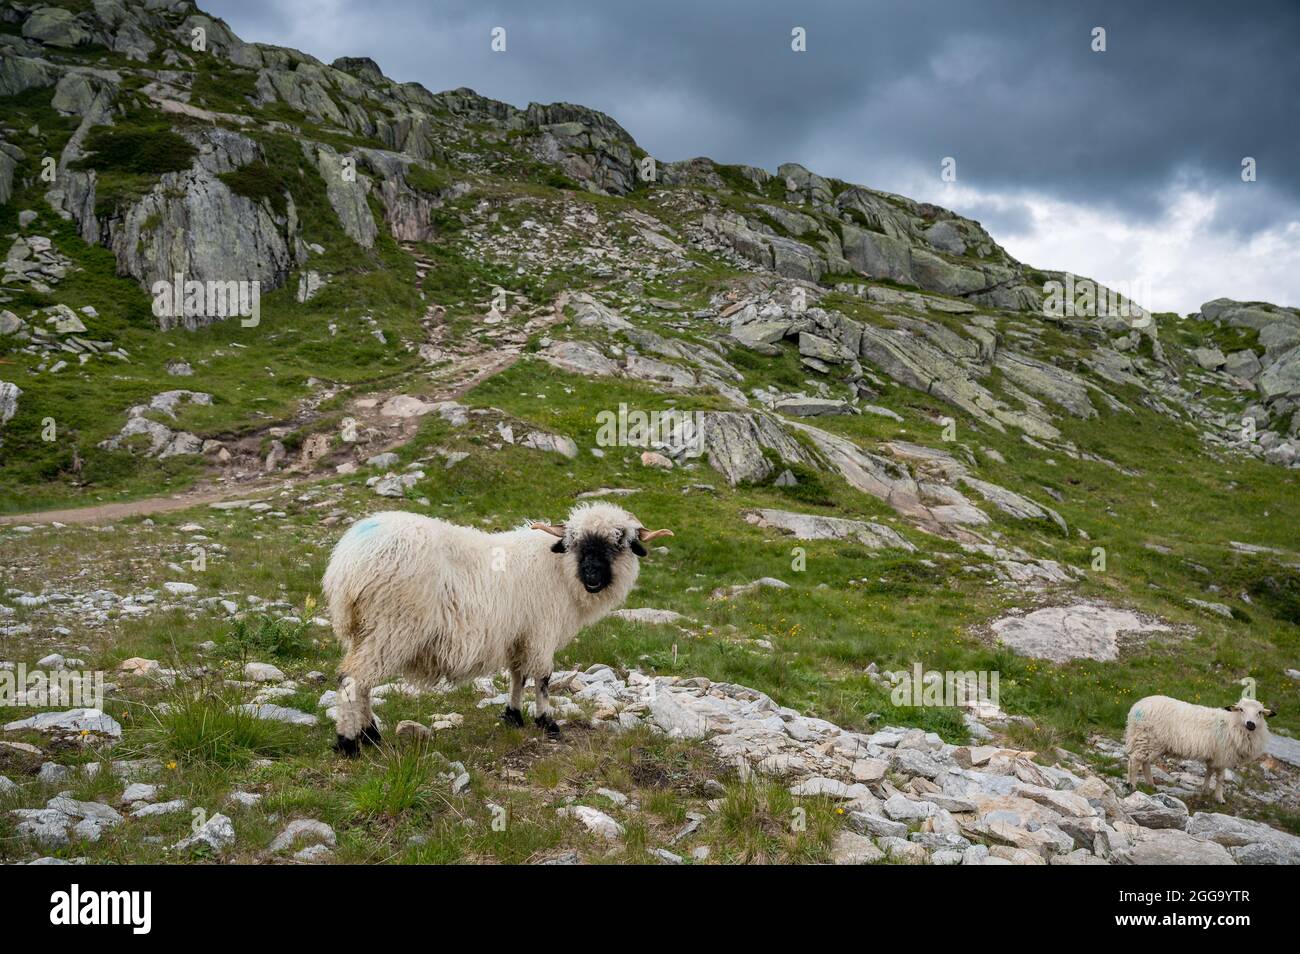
(1250, 726)
(595, 575)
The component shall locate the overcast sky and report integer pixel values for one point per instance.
(1124, 165)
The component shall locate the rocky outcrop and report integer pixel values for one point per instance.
(1080, 631)
(906, 795)
(1272, 372)
(157, 439)
(1249, 842)
(1058, 385)
(735, 445)
(930, 506)
(407, 210)
(585, 144)
(922, 366)
(805, 526)
(57, 27)
(785, 256)
(347, 193)
(192, 224)
(22, 68)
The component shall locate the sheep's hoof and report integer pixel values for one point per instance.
(548, 723)
(370, 734)
(348, 747)
(513, 717)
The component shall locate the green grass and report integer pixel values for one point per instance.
(762, 823)
(403, 784)
(207, 727)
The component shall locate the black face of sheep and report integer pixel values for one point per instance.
(598, 539)
(596, 557)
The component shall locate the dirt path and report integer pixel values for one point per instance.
(465, 371)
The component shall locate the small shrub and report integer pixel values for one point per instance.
(143, 150)
(260, 183)
(809, 487)
(266, 636)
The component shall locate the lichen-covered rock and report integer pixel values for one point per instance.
(733, 444)
(192, 224)
(347, 190)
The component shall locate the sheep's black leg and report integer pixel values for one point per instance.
(514, 716)
(355, 722)
(544, 718)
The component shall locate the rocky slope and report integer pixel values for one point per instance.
(207, 222)
(452, 289)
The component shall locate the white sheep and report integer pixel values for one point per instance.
(435, 601)
(1224, 738)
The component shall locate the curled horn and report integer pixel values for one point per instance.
(645, 535)
(558, 546)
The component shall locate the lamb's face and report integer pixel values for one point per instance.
(602, 543)
(1251, 713)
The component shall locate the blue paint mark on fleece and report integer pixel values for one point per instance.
(364, 528)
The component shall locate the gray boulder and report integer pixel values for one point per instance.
(733, 444)
(1155, 811)
(1249, 842)
(9, 395)
(1170, 846)
(1243, 364)
(1211, 359)
(55, 26)
(812, 406)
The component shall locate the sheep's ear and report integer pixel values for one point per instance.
(637, 548)
(1232, 708)
(559, 547)
(648, 535)
(1270, 712)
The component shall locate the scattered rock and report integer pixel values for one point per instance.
(216, 835)
(304, 828)
(594, 820)
(1078, 631)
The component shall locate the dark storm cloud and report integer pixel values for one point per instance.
(1012, 90)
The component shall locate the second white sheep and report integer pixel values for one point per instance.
(1223, 738)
